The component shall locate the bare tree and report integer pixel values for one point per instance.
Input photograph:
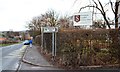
(99, 24)
(100, 7)
(64, 22)
(51, 17)
(48, 19)
(34, 24)
(115, 11)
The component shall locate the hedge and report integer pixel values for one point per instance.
(81, 47)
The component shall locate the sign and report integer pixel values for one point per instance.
(77, 18)
(52, 30)
(49, 29)
(83, 18)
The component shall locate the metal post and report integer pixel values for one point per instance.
(53, 40)
(42, 37)
(55, 43)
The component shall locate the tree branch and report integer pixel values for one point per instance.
(92, 7)
(95, 3)
(102, 12)
(112, 6)
(101, 7)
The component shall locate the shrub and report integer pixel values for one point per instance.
(78, 47)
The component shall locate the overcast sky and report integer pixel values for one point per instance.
(14, 14)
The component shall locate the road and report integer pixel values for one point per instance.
(11, 56)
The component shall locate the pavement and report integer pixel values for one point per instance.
(33, 60)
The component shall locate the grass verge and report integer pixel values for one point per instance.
(1, 45)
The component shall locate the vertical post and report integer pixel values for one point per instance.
(42, 37)
(53, 45)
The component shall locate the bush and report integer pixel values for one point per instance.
(38, 40)
(78, 47)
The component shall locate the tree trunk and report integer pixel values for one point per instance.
(104, 16)
(116, 14)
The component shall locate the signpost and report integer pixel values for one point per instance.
(52, 30)
(82, 19)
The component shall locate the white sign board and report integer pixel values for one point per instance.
(49, 29)
(83, 18)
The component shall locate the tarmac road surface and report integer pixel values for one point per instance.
(11, 56)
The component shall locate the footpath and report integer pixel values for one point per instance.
(33, 60)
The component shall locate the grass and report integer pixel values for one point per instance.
(1, 45)
(5, 44)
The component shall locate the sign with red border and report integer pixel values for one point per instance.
(77, 18)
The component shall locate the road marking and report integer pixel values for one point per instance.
(17, 53)
(23, 47)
